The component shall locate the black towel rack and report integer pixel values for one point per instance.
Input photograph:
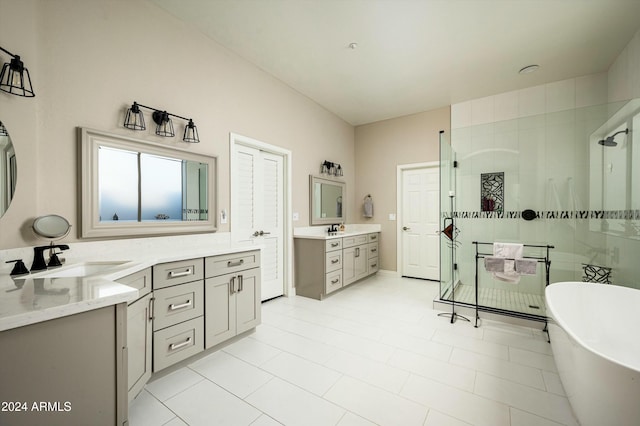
(541, 259)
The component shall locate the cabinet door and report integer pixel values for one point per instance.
(348, 265)
(248, 300)
(139, 333)
(220, 309)
(361, 262)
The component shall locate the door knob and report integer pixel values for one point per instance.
(404, 228)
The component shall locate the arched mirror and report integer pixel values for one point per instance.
(8, 169)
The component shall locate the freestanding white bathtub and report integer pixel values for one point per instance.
(595, 339)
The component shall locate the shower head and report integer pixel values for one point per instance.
(609, 140)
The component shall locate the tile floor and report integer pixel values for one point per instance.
(375, 353)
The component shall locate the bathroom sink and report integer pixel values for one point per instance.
(84, 269)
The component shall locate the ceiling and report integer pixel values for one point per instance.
(414, 55)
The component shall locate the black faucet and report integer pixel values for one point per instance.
(38, 256)
(333, 228)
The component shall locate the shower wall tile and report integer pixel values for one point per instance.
(531, 101)
(633, 64)
(560, 95)
(618, 83)
(506, 106)
(482, 111)
(531, 147)
(461, 115)
(591, 90)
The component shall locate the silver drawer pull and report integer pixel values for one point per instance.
(173, 274)
(334, 261)
(240, 283)
(335, 244)
(231, 264)
(173, 307)
(175, 346)
(336, 281)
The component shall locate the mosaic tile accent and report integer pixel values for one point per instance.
(596, 274)
(492, 192)
(553, 214)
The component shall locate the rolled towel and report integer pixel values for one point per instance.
(494, 264)
(526, 266)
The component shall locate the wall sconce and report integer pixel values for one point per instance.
(14, 78)
(330, 168)
(134, 120)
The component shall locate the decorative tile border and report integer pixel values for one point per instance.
(557, 214)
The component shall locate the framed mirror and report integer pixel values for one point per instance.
(8, 169)
(326, 200)
(131, 187)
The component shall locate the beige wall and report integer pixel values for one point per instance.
(89, 60)
(383, 146)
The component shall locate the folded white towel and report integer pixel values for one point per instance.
(367, 207)
(510, 251)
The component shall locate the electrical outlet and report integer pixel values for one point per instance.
(296, 216)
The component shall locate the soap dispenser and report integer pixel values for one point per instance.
(342, 227)
(19, 268)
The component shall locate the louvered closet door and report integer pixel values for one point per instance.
(258, 212)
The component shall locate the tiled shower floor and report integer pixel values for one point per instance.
(375, 353)
(502, 299)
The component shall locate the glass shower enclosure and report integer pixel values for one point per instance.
(579, 195)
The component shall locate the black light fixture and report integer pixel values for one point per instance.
(14, 78)
(3, 130)
(330, 168)
(134, 120)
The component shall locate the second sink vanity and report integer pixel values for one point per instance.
(325, 263)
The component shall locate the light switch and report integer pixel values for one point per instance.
(223, 216)
(296, 216)
(392, 216)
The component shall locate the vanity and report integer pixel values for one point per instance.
(84, 347)
(325, 263)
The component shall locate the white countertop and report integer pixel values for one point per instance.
(29, 299)
(320, 232)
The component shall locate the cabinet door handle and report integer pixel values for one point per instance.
(173, 307)
(231, 264)
(374, 250)
(336, 281)
(152, 306)
(240, 283)
(357, 251)
(334, 261)
(374, 265)
(335, 244)
(175, 346)
(173, 274)
(232, 285)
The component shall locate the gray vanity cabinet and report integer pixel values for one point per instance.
(232, 295)
(178, 311)
(323, 266)
(139, 331)
(66, 371)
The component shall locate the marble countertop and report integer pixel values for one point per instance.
(33, 298)
(320, 232)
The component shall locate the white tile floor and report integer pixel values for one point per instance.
(375, 353)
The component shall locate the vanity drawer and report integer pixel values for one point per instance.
(333, 244)
(372, 248)
(228, 263)
(173, 344)
(333, 261)
(355, 240)
(140, 280)
(373, 237)
(373, 266)
(172, 273)
(177, 304)
(333, 281)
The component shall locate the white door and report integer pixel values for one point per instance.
(257, 212)
(420, 224)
